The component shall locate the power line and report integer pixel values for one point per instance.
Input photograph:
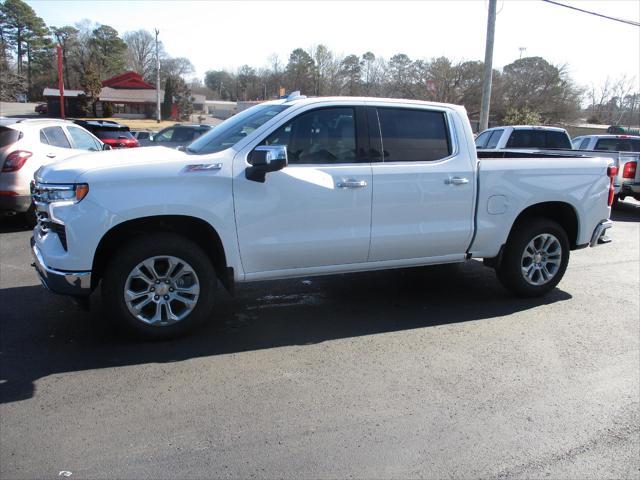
(630, 22)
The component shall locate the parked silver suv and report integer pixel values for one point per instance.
(26, 145)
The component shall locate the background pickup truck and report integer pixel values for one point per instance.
(523, 136)
(300, 187)
(625, 150)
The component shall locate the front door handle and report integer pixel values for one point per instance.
(51, 155)
(351, 183)
(456, 181)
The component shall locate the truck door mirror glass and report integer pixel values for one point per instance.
(265, 159)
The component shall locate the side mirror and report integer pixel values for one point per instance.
(106, 147)
(265, 159)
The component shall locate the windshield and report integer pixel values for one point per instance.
(231, 131)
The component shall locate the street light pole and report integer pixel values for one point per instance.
(157, 79)
(488, 68)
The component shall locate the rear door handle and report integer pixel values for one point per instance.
(51, 155)
(351, 183)
(456, 181)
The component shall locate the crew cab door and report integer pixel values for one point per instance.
(316, 211)
(424, 188)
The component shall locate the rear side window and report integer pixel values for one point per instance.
(494, 139)
(43, 138)
(584, 144)
(56, 137)
(9, 136)
(413, 135)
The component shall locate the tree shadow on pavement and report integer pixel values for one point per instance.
(43, 334)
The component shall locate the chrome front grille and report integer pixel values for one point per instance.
(45, 224)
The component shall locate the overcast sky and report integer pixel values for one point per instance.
(216, 34)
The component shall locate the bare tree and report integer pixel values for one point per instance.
(141, 53)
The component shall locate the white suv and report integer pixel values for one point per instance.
(26, 145)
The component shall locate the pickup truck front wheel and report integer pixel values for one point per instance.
(535, 258)
(159, 286)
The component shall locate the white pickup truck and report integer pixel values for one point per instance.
(307, 186)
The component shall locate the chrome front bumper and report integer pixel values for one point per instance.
(599, 236)
(77, 284)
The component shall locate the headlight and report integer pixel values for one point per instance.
(54, 193)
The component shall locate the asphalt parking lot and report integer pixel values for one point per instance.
(423, 373)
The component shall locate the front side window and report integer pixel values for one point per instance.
(164, 135)
(82, 139)
(56, 137)
(323, 136)
(413, 135)
(182, 135)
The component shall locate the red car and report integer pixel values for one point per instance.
(113, 134)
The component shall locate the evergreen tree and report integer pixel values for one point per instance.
(169, 92)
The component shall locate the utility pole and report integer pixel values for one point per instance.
(522, 50)
(157, 79)
(488, 68)
(60, 80)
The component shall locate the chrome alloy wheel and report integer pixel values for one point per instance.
(161, 290)
(541, 259)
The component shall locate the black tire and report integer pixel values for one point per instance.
(156, 245)
(510, 271)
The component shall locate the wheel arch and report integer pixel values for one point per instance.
(562, 213)
(195, 229)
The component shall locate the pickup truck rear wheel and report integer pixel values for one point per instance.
(159, 286)
(535, 258)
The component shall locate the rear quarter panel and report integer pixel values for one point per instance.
(508, 186)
